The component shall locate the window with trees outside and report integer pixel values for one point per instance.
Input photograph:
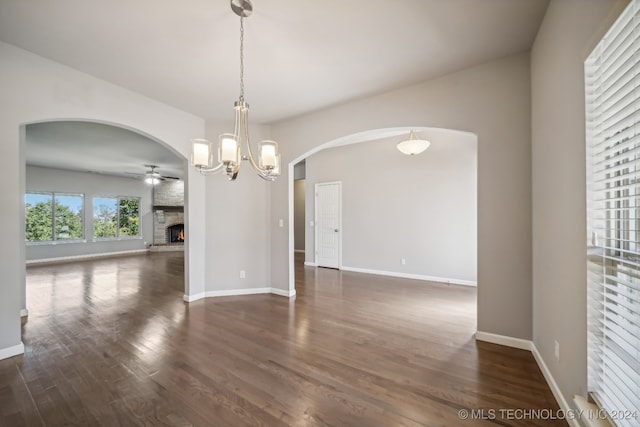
(116, 217)
(612, 78)
(54, 217)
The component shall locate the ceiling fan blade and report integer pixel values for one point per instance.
(137, 175)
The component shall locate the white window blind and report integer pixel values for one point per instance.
(613, 218)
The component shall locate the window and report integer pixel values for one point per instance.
(128, 216)
(115, 217)
(613, 218)
(105, 217)
(54, 217)
(68, 216)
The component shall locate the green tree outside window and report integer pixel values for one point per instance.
(116, 217)
(43, 210)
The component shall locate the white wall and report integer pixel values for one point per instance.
(237, 230)
(491, 100)
(90, 185)
(421, 208)
(570, 29)
(36, 89)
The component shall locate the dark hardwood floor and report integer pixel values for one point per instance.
(110, 342)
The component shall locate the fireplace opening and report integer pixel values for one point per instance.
(175, 233)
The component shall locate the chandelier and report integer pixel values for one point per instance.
(230, 144)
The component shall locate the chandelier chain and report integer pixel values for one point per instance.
(241, 59)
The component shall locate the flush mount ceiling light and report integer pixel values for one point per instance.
(152, 177)
(230, 144)
(413, 145)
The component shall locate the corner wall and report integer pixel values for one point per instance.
(491, 100)
(570, 29)
(237, 234)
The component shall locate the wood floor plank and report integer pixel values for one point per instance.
(110, 342)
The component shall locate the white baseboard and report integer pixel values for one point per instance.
(529, 345)
(239, 292)
(24, 312)
(236, 292)
(504, 340)
(410, 276)
(553, 385)
(310, 264)
(194, 297)
(83, 257)
(299, 251)
(8, 352)
(283, 292)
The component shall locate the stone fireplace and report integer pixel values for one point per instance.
(168, 215)
(164, 224)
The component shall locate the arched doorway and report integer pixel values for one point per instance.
(454, 224)
(96, 165)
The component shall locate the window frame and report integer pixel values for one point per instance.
(139, 236)
(54, 240)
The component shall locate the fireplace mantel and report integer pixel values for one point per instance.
(168, 208)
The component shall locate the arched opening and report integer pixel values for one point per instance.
(100, 166)
(452, 201)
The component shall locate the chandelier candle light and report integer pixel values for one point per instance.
(230, 145)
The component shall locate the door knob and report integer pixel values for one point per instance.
(336, 230)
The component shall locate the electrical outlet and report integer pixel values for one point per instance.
(281, 222)
(403, 261)
(557, 350)
(243, 274)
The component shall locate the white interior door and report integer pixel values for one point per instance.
(328, 223)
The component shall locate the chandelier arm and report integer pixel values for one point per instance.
(211, 171)
(237, 125)
(245, 129)
(269, 178)
(262, 173)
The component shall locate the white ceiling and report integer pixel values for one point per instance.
(300, 55)
(98, 148)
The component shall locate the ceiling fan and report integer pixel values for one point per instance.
(153, 177)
